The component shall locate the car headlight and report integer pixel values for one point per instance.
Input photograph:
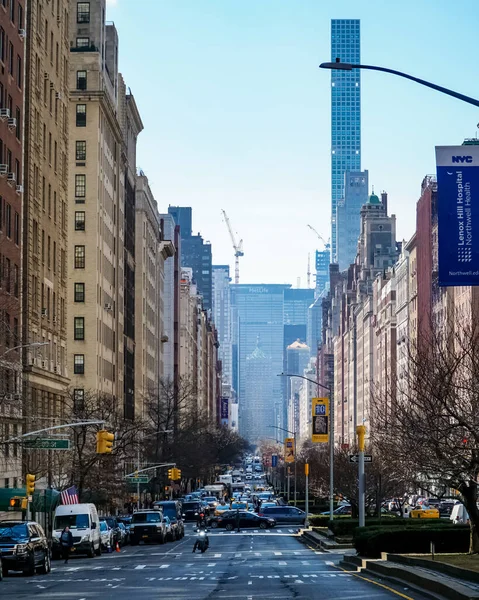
(86, 538)
(196, 513)
(21, 548)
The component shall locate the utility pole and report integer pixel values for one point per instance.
(306, 506)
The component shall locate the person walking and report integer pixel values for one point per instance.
(66, 542)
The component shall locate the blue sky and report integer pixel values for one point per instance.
(237, 113)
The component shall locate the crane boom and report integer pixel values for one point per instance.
(327, 244)
(237, 246)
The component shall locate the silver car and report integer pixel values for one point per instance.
(106, 537)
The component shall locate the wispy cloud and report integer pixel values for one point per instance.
(111, 2)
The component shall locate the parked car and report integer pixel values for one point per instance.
(147, 526)
(247, 520)
(345, 509)
(24, 547)
(170, 535)
(1, 567)
(126, 520)
(125, 535)
(106, 535)
(173, 510)
(212, 501)
(115, 527)
(85, 527)
(287, 515)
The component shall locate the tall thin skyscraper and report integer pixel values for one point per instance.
(345, 115)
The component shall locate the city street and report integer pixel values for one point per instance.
(248, 565)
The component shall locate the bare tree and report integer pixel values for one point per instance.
(430, 427)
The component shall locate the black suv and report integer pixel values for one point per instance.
(192, 510)
(24, 547)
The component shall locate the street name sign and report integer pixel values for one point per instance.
(354, 458)
(46, 444)
(143, 479)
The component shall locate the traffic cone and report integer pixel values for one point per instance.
(117, 547)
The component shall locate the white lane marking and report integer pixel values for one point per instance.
(250, 583)
(329, 563)
(290, 530)
(164, 566)
(139, 567)
(255, 531)
(279, 530)
(257, 553)
(217, 556)
(278, 554)
(211, 564)
(305, 562)
(238, 555)
(283, 563)
(116, 569)
(70, 569)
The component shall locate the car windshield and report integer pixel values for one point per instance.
(210, 499)
(240, 505)
(154, 517)
(103, 526)
(191, 506)
(170, 511)
(73, 521)
(13, 532)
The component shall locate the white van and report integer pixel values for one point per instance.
(459, 514)
(85, 527)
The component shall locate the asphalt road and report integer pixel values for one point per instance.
(237, 566)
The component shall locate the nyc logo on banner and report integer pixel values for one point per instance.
(458, 214)
(320, 420)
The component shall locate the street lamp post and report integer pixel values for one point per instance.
(331, 435)
(293, 433)
(339, 66)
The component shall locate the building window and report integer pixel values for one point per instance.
(79, 328)
(83, 12)
(80, 220)
(79, 292)
(83, 42)
(81, 115)
(80, 186)
(79, 257)
(78, 399)
(19, 72)
(81, 80)
(79, 364)
(80, 150)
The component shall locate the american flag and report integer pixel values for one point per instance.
(70, 495)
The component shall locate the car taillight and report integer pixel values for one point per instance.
(260, 514)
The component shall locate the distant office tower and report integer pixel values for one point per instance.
(170, 302)
(222, 317)
(348, 212)
(297, 358)
(257, 325)
(315, 320)
(323, 258)
(183, 217)
(195, 253)
(345, 115)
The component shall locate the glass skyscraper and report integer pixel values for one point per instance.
(345, 115)
(258, 344)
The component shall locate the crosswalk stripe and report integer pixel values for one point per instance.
(211, 564)
(217, 556)
(278, 554)
(164, 566)
(255, 531)
(238, 555)
(279, 531)
(139, 567)
(282, 563)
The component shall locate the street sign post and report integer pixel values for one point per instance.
(140, 479)
(354, 458)
(46, 444)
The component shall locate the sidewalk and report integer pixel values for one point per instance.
(437, 581)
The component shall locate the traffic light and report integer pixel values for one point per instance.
(104, 442)
(170, 473)
(178, 473)
(15, 503)
(30, 484)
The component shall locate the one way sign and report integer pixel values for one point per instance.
(354, 458)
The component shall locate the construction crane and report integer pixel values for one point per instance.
(327, 244)
(237, 246)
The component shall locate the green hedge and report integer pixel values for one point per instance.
(348, 527)
(370, 541)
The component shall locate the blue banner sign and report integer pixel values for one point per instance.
(274, 460)
(224, 410)
(458, 214)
